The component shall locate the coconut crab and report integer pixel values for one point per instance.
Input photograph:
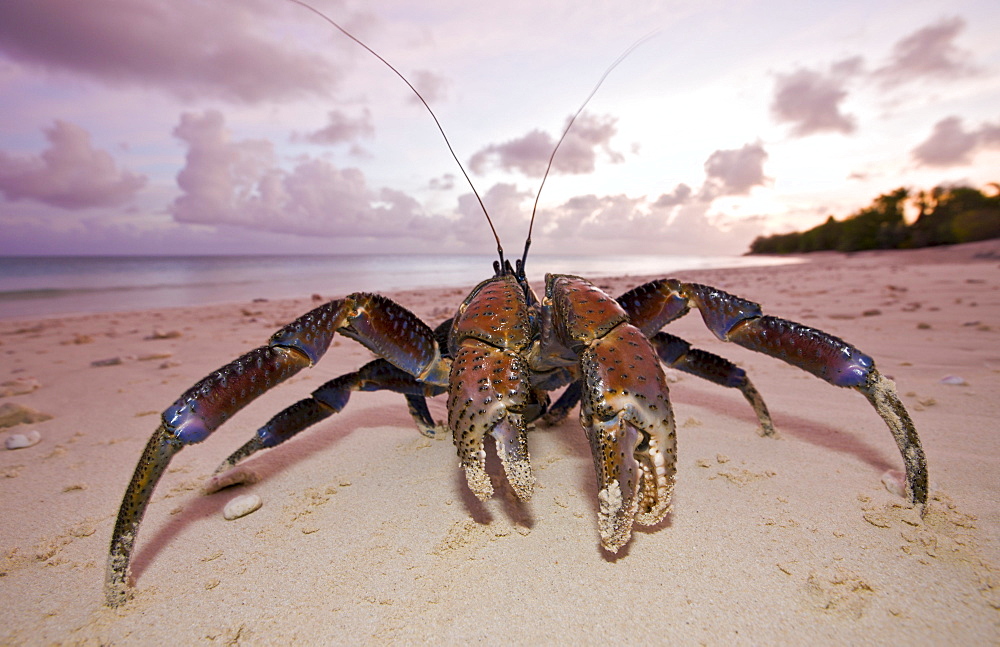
(497, 359)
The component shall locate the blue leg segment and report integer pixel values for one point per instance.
(411, 357)
(332, 397)
(678, 353)
(564, 404)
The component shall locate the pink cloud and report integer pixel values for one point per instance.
(674, 220)
(444, 183)
(694, 231)
(952, 145)
(734, 172)
(70, 173)
(239, 183)
(928, 52)
(600, 217)
(508, 208)
(598, 223)
(529, 154)
(680, 195)
(432, 87)
(343, 129)
(187, 48)
(811, 100)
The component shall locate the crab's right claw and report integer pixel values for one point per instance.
(489, 395)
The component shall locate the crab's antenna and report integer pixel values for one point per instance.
(426, 105)
(552, 157)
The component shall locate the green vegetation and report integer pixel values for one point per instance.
(947, 215)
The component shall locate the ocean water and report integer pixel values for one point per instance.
(42, 286)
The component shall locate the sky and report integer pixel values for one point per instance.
(181, 127)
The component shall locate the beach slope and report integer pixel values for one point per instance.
(369, 535)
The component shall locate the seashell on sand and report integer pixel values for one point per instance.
(20, 441)
(241, 506)
(895, 482)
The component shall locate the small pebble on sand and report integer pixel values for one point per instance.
(161, 334)
(12, 414)
(229, 478)
(19, 386)
(111, 361)
(241, 506)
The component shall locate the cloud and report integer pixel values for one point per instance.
(694, 231)
(734, 172)
(191, 49)
(444, 183)
(671, 222)
(680, 195)
(217, 170)
(529, 154)
(928, 52)
(600, 217)
(595, 224)
(431, 86)
(70, 173)
(811, 100)
(951, 145)
(506, 205)
(239, 183)
(342, 129)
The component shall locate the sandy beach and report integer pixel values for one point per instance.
(368, 533)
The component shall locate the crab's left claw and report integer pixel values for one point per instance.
(630, 424)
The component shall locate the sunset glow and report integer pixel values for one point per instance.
(216, 127)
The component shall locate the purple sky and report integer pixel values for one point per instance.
(252, 126)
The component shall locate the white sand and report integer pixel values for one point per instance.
(368, 533)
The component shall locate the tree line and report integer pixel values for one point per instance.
(946, 215)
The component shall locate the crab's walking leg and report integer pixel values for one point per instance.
(153, 463)
(678, 353)
(332, 397)
(380, 324)
(625, 409)
(740, 321)
(561, 407)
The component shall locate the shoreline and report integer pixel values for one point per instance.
(368, 533)
(43, 287)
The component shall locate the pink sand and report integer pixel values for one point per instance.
(369, 535)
